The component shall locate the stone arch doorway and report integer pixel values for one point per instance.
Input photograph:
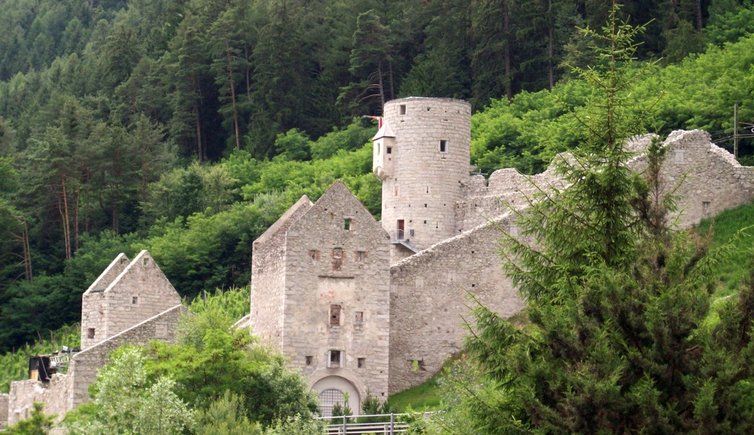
(335, 389)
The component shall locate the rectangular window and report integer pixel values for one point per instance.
(309, 359)
(134, 300)
(347, 224)
(403, 109)
(337, 258)
(359, 317)
(443, 146)
(360, 256)
(334, 359)
(334, 315)
(90, 333)
(362, 362)
(389, 150)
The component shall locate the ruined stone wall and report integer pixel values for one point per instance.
(705, 178)
(426, 181)
(83, 368)
(268, 277)
(93, 302)
(338, 255)
(54, 395)
(428, 290)
(3, 411)
(138, 293)
(430, 300)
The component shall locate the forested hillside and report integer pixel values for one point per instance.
(187, 126)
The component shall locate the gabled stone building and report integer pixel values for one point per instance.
(320, 294)
(130, 302)
(436, 251)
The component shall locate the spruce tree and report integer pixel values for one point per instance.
(618, 337)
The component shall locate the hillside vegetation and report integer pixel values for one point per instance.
(187, 127)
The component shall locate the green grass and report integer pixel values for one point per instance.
(423, 397)
(733, 227)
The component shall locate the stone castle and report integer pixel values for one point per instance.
(371, 308)
(363, 307)
(131, 302)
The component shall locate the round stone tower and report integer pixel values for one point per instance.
(421, 154)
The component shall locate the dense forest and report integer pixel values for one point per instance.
(188, 126)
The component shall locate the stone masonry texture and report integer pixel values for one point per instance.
(131, 302)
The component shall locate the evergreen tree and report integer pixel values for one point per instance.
(617, 303)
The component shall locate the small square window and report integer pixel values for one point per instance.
(134, 300)
(90, 333)
(443, 146)
(347, 224)
(389, 150)
(361, 362)
(309, 359)
(361, 256)
(359, 317)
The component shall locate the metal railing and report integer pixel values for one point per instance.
(384, 424)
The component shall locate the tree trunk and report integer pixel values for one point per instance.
(65, 217)
(550, 45)
(507, 51)
(381, 86)
(232, 87)
(197, 121)
(76, 219)
(699, 22)
(25, 249)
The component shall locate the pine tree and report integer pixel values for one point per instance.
(617, 339)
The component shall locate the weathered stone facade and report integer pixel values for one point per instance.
(130, 302)
(451, 258)
(124, 294)
(320, 280)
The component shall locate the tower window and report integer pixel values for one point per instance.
(403, 109)
(309, 359)
(347, 224)
(90, 333)
(334, 359)
(359, 318)
(362, 362)
(443, 146)
(389, 150)
(134, 300)
(334, 315)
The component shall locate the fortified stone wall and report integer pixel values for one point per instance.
(429, 290)
(431, 300)
(3, 411)
(704, 178)
(429, 164)
(54, 395)
(337, 293)
(84, 365)
(65, 392)
(484, 200)
(268, 276)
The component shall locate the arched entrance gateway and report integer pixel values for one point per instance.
(332, 390)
